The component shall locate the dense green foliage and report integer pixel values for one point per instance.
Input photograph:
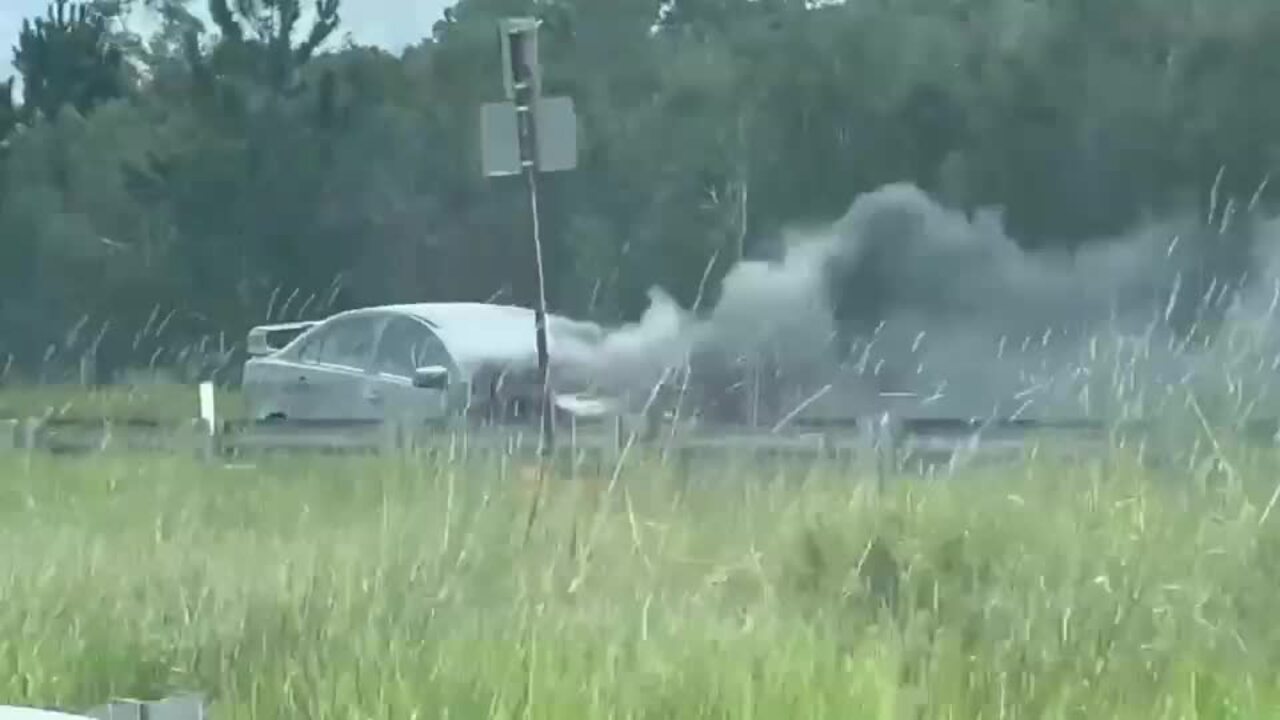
(362, 588)
(159, 194)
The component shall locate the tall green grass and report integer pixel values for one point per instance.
(412, 587)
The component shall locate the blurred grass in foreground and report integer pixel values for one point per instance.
(400, 588)
(163, 402)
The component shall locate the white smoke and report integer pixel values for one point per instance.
(903, 294)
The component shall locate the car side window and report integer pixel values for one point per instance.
(347, 342)
(310, 349)
(407, 345)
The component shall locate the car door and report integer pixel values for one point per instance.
(405, 345)
(333, 370)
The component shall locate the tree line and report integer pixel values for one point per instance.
(161, 192)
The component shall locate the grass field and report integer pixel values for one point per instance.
(406, 587)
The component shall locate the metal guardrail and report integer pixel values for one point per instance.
(178, 707)
(933, 439)
(240, 438)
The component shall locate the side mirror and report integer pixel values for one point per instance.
(432, 377)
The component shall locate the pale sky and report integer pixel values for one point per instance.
(392, 24)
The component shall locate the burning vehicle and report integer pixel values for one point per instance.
(419, 363)
(900, 303)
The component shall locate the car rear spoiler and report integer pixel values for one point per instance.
(266, 339)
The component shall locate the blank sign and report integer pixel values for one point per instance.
(500, 137)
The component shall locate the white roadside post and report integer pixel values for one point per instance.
(888, 433)
(526, 134)
(10, 435)
(209, 419)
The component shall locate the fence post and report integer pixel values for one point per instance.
(203, 437)
(206, 424)
(208, 404)
(885, 447)
(9, 435)
(31, 430)
(619, 435)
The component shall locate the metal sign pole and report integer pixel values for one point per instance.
(527, 134)
(523, 48)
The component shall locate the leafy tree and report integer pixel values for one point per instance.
(260, 36)
(67, 59)
(8, 110)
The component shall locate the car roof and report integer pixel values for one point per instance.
(477, 333)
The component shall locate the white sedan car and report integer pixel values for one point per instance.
(417, 363)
